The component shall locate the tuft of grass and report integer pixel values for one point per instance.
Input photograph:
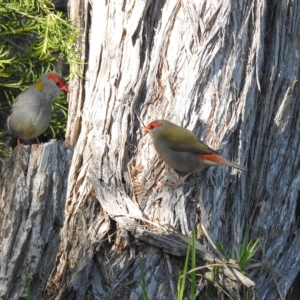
(246, 253)
(27, 285)
(143, 281)
(185, 274)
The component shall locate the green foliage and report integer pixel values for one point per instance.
(188, 275)
(30, 32)
(143, 282)
(210, 284)
(246, 253)
(214, 287)
(27, 285)
(32, 37)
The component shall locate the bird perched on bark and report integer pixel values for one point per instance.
(182, 150)
(31, 110)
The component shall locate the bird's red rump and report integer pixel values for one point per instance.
(213, 158)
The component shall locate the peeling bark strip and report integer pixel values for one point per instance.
(228, 71)
(32, 202)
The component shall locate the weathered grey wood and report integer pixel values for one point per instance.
(229, 72)
(34, 185)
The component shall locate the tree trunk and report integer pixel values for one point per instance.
(229, 72)
(34, 187)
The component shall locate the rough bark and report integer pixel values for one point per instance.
(33, 194)
(229, 72)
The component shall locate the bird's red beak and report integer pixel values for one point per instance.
(146, 129)
(64, 88)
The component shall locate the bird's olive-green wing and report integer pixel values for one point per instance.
(182, 140)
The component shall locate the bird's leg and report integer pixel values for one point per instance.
(37, 140)
(179, 183)
(19, 146)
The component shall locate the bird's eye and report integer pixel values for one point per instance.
(152, 126)
(57, 83)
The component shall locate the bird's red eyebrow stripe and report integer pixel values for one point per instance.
(61, 83)
(53, 77)
(155, 124)
(148, 128)
(212, 157)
